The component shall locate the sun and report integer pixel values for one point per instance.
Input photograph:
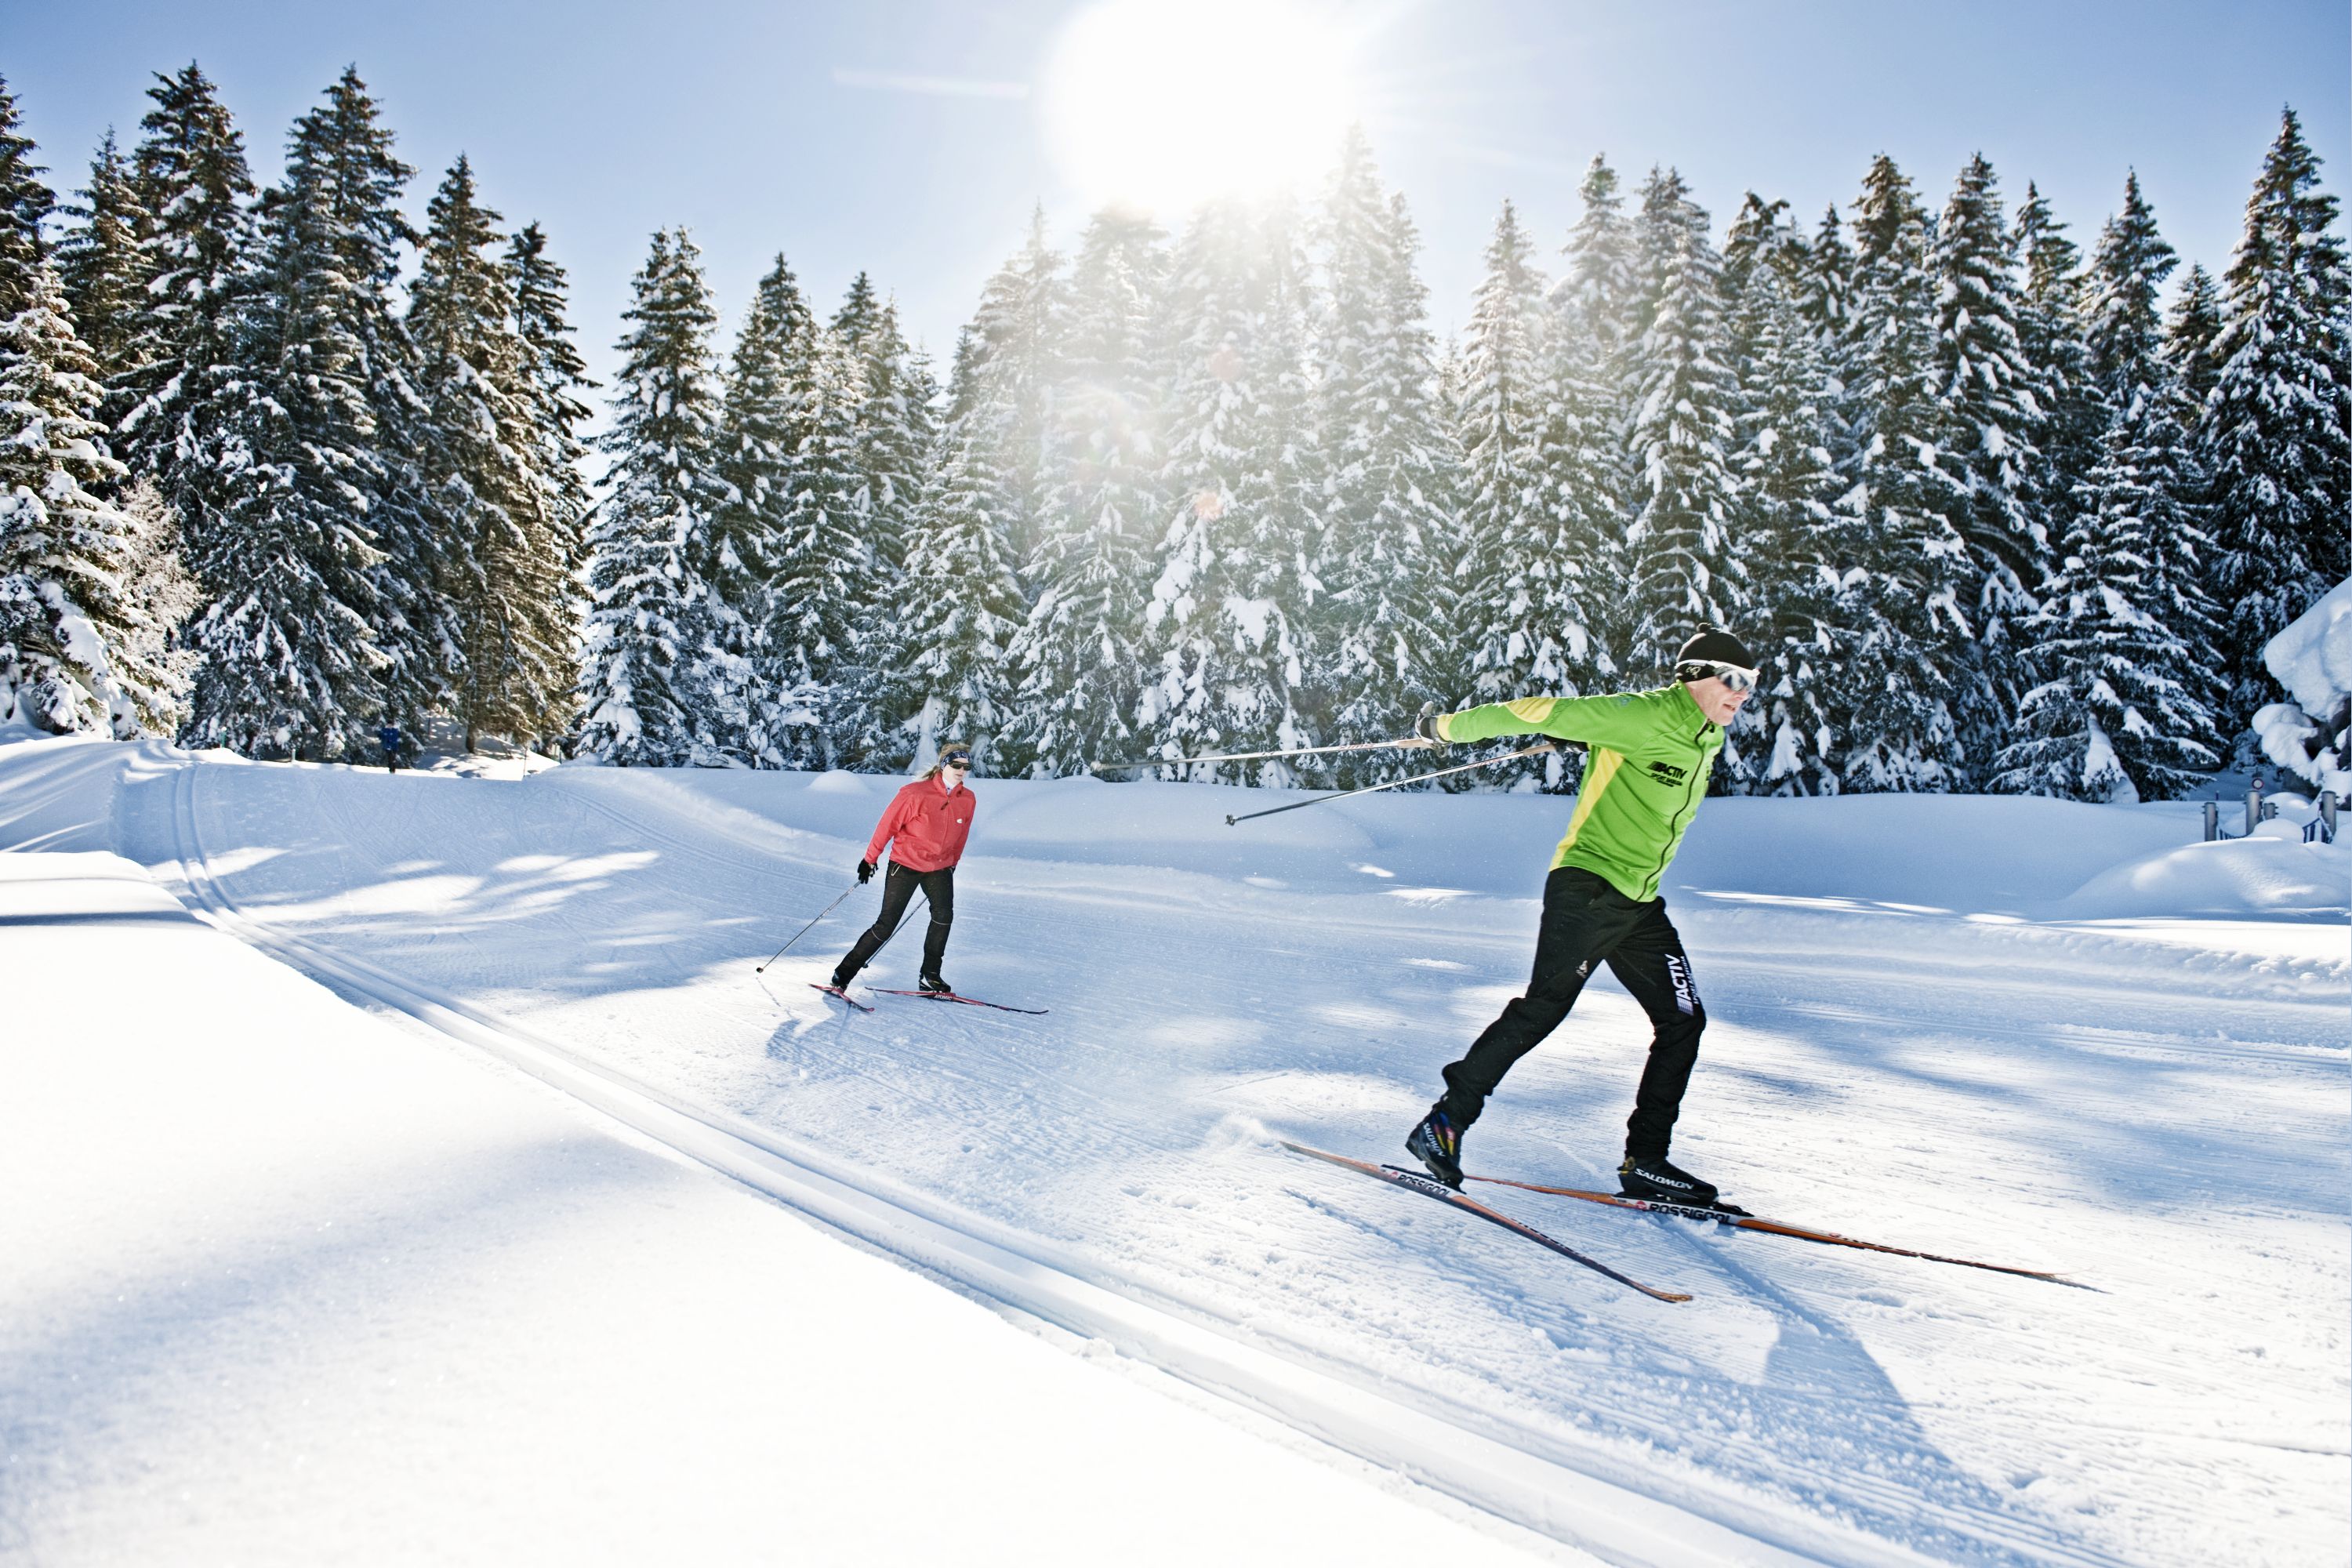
(1162, 105)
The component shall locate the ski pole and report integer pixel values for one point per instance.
(1392, 784)
(1410, 743)
(804, 929)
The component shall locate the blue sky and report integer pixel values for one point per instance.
(906, 137)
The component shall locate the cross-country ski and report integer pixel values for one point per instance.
(1413, 1182)
(954, 997)
(1740, 1219)
(838, 994)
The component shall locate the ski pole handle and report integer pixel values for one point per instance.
(828, 909)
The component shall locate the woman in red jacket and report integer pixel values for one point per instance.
(927, 823)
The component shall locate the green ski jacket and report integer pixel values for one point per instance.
(1652, 755)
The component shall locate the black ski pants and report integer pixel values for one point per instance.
(1587, 922)
(898, 885)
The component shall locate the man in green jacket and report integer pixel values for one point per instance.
(1651, 753)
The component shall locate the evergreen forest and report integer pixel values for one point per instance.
(2000, 504)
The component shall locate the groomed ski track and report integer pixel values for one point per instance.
(1548, 1495)
(1845, 1482)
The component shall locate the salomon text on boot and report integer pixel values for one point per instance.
(1660, 1182)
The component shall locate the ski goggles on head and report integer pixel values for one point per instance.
(1735, 678)
(956, 760)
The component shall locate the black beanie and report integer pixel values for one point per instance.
(1715, 646)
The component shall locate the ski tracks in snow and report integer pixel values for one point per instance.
(1105, 1170)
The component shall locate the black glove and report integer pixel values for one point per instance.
(865, 872)
(1426, 725)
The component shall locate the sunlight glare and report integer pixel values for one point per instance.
(1163, 105)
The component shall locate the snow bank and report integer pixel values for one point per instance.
(2273, 872)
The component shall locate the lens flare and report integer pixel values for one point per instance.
(1164, 105)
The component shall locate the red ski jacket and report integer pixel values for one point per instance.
(930, 825)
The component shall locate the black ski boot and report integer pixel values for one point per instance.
(1660, 1182)
(934, 986)
(1436, 1143)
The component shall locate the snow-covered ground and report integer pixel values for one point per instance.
(2059, 1036)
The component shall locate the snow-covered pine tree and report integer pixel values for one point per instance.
(1599, 284)
(344, 151)
(1688, 567)
(825, 568)
(103, 264)
(1519, 613)
(80, 644)
(1236, 579)
(294, 622)
(177, 388)
(895, 445)
(2149, 471)
(2191, 330)
(1078, 656)
(958, 607)
(768, 416)
(504, 564)
(1787, 480)
(2278, 422)
(25, 203)
(1889, 684)
(1824, 295)
(660, 494)
(1992, 420)
(552, 376)
(2111, 712)
(2052, 320)
(1022, 316)
(1389, 469)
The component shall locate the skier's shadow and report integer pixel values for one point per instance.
(1816, 1359)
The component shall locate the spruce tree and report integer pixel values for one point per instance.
(1520, 615)
(1898, 557)
(1228, 617)
(80, 645)
(552, 376)
(767, 418)
(1990, 421)
(2278, 422)
(2111, 712)
(2053, 325)
(959, 610)
(103, 264)
(1079, 654)
(2191, 330)
(660, 494)
(295, 622)
(825, 563)
(1688, 570)
(1391, 466)
(25, 203)
(1787, 480)
(895, 448)
(503, 561)
(179, 385)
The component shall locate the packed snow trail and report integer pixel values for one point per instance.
(1904, 1044)
(287, 1284)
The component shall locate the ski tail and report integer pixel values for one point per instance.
(1745, 1221)
(838, 994)
(1414, 1181)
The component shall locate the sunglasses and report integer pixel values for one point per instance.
(1734, 676)
(956, 760)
